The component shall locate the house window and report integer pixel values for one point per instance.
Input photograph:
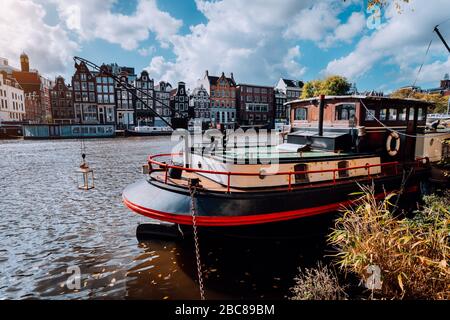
(345, 111)
(301, 114)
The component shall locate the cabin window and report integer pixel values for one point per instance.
(421, 114)
(343, 165)
(392, 114)
(345, 112)
(301, 114)
(411, 114)
(383, 113)
(301, 177)
(402, 115)
(370, 115)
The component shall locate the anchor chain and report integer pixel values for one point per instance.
(192, 190)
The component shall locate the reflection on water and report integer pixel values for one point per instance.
(48, 225)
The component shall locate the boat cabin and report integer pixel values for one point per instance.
(382, 125)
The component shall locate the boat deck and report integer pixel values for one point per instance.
(274, 154)
(205, 183)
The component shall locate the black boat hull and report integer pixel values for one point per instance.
(173, 204)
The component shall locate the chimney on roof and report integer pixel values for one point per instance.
(207, 73)
(321, 113)
(232, 76)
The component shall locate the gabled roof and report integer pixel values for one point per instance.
(27, 77)
(213, 80)
(13, 81)
(293, 83)
(198, 89)
(59, 80)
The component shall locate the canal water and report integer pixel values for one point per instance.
(50, 229)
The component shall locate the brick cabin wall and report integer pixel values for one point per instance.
(329, 113)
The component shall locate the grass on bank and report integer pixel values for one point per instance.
(412, 254)
(320, 283)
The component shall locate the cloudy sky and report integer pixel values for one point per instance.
(258, 40)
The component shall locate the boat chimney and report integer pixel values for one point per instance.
(321, 111)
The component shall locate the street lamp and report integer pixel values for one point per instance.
(86, 174)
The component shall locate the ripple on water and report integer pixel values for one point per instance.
(47, 225)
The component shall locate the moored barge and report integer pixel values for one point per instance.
(333, 145)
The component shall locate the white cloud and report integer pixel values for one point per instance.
(320, 23)
(291, 65)
(126, 30)
(312, 23)
(348, 31)
(233, 40)
(257, 40)
(22, 28)
(145, 52)
(401, 41)
(430, 74)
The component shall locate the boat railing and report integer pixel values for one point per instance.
(419, 162)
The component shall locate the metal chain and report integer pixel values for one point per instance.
(196, 242)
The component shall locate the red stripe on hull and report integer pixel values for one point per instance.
(216, 221)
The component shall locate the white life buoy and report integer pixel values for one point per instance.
(393, 152)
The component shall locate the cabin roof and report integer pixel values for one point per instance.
(347, 97)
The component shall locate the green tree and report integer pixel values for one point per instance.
(332, 85)
(440, 102)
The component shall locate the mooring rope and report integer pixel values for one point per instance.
(192, 191)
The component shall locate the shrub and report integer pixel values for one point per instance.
(412, 254)
(317, 284)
